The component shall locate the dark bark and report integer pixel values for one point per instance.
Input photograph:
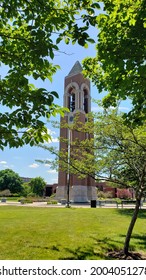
(132, 224)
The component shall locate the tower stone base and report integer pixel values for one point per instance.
(92, 193)
(78, 194)
(61, 193)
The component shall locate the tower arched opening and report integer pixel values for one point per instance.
(85, 103)
(71, 99)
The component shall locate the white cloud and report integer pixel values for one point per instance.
(97, 109)
(124, 108)
(53, 139)
(47, 165)
(3, 162)
(101, 109)
(51, 132)
(52, 171)
(34, 165)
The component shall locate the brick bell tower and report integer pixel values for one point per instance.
(78, 100)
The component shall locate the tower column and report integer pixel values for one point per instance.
(77, 100)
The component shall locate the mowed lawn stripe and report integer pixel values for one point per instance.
(61, 233)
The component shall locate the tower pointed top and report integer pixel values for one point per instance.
(77, 68)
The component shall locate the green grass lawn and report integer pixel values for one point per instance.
(62, 233)
(13, 198)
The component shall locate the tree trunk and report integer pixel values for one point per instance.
(131, 226)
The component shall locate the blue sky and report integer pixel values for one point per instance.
(23, 160)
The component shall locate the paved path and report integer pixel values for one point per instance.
(44, 204)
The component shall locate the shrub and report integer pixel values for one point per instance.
(5, 193)
(101, 194)
(52, 202)
(124, 193)
(25, 200)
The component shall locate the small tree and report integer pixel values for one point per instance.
(9, 180)
(37, 186)
(26, 189)
(116, 154)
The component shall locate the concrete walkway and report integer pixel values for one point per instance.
(59, 205)
(42, 204)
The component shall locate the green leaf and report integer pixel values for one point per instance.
(51, 53)
(95, 5)
(58, 40)
(67, 40)
(91, 40)
(86, 46)
(55, 94)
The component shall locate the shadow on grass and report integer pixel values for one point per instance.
(101, 248)
(129, 212)
(140, 239)
(53, 247)
(98, 251)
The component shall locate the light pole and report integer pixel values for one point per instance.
(68, 186)
(68, 171)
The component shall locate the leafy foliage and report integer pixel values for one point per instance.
(9, 180)
(120, 63)
(26, 189)
(113, 151)
(37, 185)
(5, 192)
(30, 35)
(116, 154)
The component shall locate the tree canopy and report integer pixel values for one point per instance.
(9, 180)
(31, 32)
(30, 35)
(120, 63)
(37, 185)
